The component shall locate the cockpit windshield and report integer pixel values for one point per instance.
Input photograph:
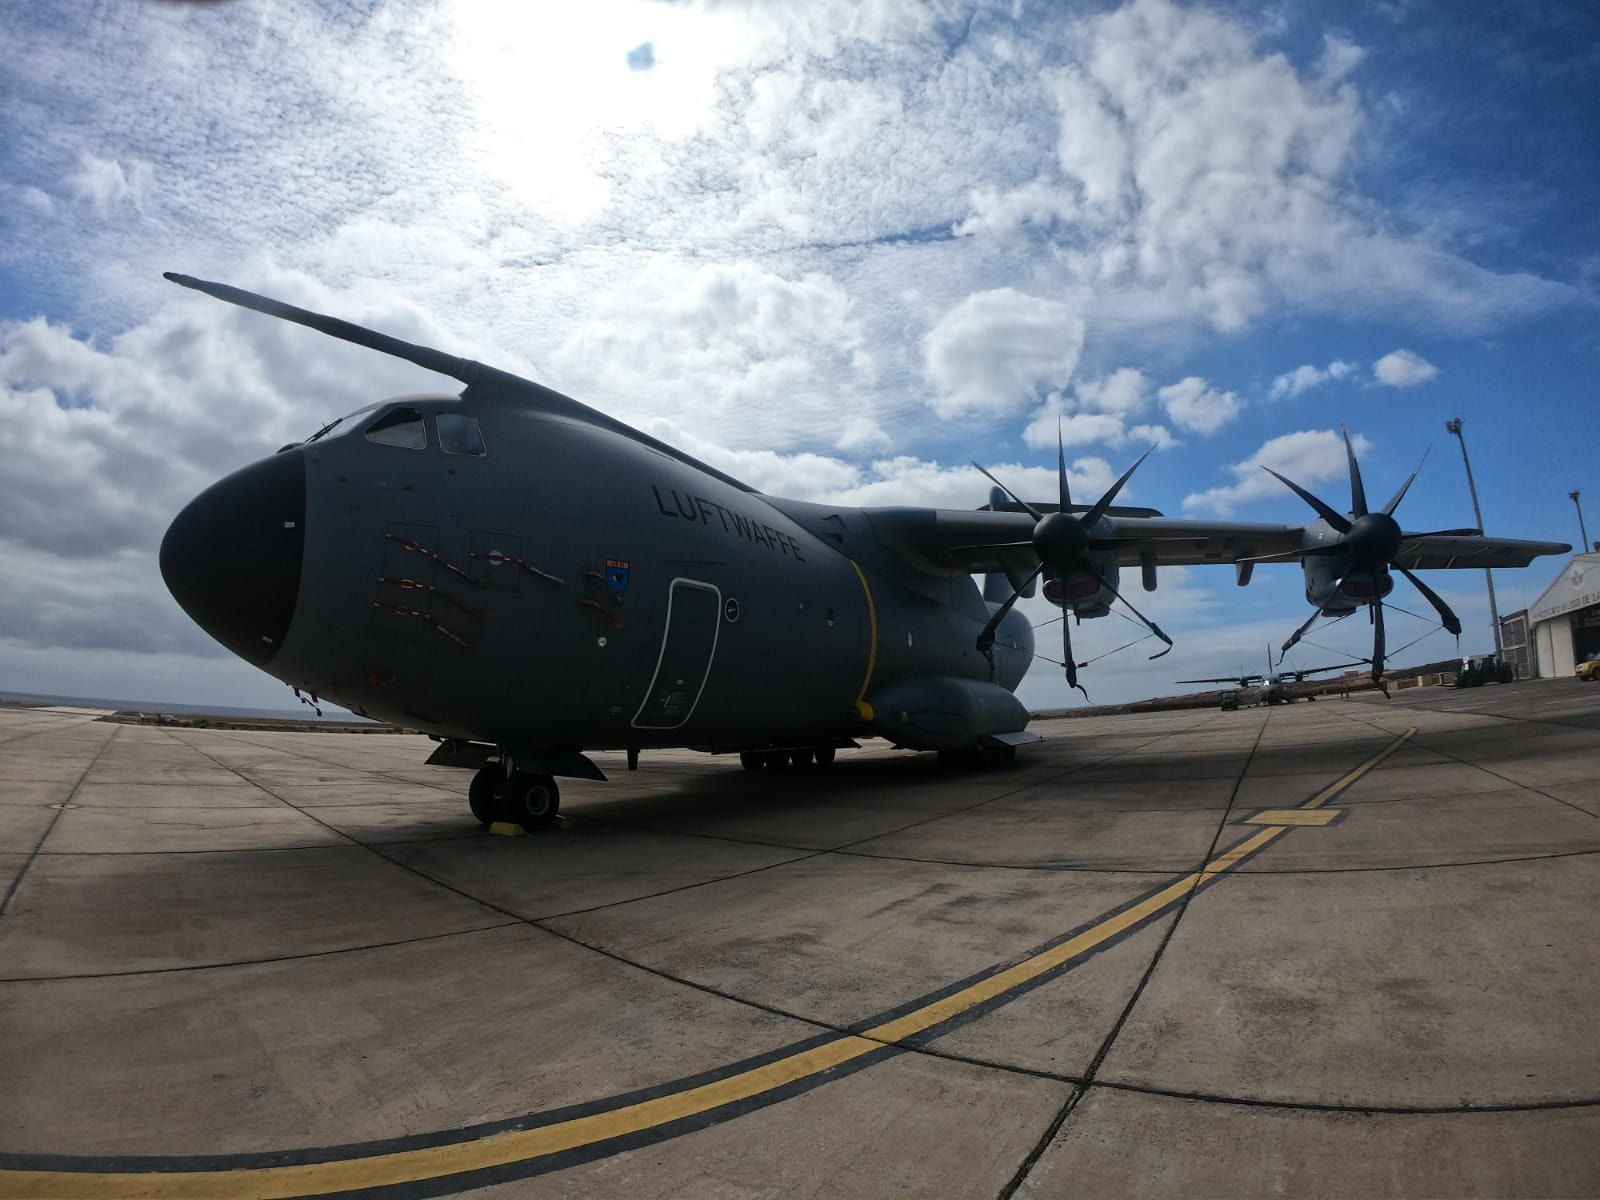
(400, 426)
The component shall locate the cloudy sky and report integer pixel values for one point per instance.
(836, 248)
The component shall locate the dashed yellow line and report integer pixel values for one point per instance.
(520, 1146)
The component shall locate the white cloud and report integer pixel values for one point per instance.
(1309, 457)
(1198, 173)
(106, 184)
(1304, 378)
(908, 480)
(996, 349)
(1403, 368)
(1339, 57)
(731, 350)
(1077, 429)
(1125, 391)
(864, 435)
(1196, 406)
(1158, 436)
(1090, 428)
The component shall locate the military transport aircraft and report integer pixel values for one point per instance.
(526, 579)
(1276, 686)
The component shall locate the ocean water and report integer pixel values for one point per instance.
(331, 712)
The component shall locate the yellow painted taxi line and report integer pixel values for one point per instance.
(528, 1145)
(1339, 785)
(1294, 816)
(1102, 931)
(431, 1162)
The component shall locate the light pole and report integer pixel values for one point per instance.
(1454, 426)
(1584, 548)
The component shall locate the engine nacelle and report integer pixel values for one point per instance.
(1323, 592)
(1083, 592)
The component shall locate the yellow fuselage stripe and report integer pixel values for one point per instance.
(872, 625)
(432, 1162)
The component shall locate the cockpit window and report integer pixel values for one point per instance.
(399, 427)
(460, 435)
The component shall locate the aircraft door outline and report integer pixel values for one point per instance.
(677, 665)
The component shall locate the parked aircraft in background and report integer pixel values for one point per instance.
(1276, 686)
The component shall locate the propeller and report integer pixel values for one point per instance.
(1368, 544)
(1064, 542)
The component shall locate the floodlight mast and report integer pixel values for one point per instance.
(1454, 426)
(1583, 531)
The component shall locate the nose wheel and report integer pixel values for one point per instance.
(522, 798)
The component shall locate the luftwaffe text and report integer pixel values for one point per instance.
(698, 508)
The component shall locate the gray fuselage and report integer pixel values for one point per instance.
(574, 587)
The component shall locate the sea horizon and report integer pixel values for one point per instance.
(304, 713)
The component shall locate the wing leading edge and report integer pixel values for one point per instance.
(982, 541)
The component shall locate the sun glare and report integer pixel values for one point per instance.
(555, 86)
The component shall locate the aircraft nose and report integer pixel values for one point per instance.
(232, 558)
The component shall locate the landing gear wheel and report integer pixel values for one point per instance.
(824, 756)
(752, 762)
(777, 760)
(481, 797)
(531, 801)
(800, 758)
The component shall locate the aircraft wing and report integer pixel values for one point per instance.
(982, 541)
(1241, 680)
(1445, 552)
(1300, 673)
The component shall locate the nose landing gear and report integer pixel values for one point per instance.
(522, 798)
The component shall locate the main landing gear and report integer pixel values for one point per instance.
(522, 798)
(779, 760)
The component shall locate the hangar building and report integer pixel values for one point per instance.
(1564, 623)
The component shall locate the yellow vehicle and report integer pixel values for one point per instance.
(1589, 670)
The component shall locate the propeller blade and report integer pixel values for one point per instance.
(1148, 623)
(1100, 505)
(1358, 493)
(1061, 470)
(1446, 618)
(1443, 533)
(1299, 633)
(986, 637)
(1336, 519)
(1030, 509)
(1066, 658)
(1377, 636)
(1388, 509)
